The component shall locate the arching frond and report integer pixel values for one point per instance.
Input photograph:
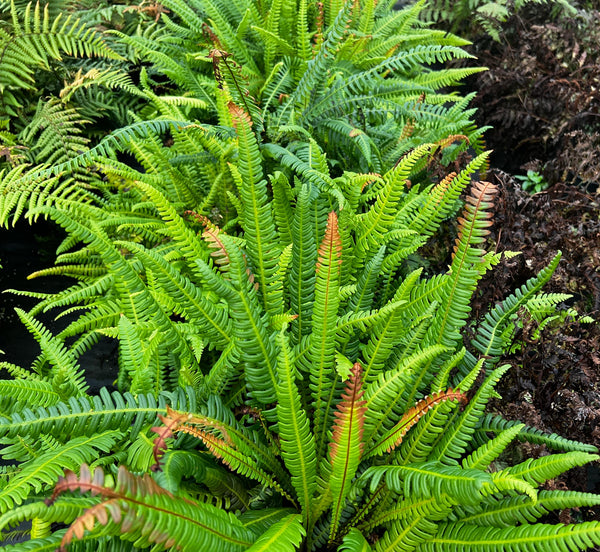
(45, 469)
(524, 538)
(152, 515)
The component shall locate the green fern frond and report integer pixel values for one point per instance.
(346, 446)
(487, 453)
(301, 278)
(490, 339)
(284, 535)
(438, 204)
(536, 471)
(55, 133)
(236, 460)
(354, 541)
(382, 214)
(495, 424)
(250, 324)
(67, 377)
(316, 70)
(384, 395)
(84, 416)
(44, 470)
(38, 37)
(153, 517)
(30, 391)
(538, 537)
(297, 443)
(190, 302)
(458, 435)
(259, 226)
(521, 510)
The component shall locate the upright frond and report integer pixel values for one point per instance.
(297, 441)
(324, 321)
(258, 223)
(346, 446)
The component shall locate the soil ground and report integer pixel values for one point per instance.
(541, 94)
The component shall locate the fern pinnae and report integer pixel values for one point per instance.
(322, 339)
(45, 468)
(441, 379)
(317, 178)
(67, 375)
(232, 434)
(408, 534)
(250, 323)
(191, 523)
(317, 67)
(192, 302)
(354, 541)
(137, 301)
(66, 510)
(284, 535)
(519, 509)
(104, 150)
(192, 247)
(297, 442)
(536, 471)
(380, 345)
(383, 394)
(380, 217)
(488, 339)
(86, 415)
(236, 460)
(346, 446)
(537, 537)
(30, 391)
(407, 508)
(392, 438)
(397, 22)
(302, 34)
(482, 457)
(259, 225)
(455, 438)
(362, 298)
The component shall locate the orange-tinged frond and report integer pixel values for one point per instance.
(352, 408)
(176, 421)
(219, 252)
(236, 460)
(395, 435)
(330, 250)
(87, 481)
(346, 447)
(449, 140)
(478, 201)
(150, 515)
(238, 114)
(321, 352)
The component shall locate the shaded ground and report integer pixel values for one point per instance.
(555, 381)
(542, 94)
(23, 250)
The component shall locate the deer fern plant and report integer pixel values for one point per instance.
(366, 82)
(363, 79)
(339, 409)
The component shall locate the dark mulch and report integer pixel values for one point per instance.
(555, 381)
(542, 96)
